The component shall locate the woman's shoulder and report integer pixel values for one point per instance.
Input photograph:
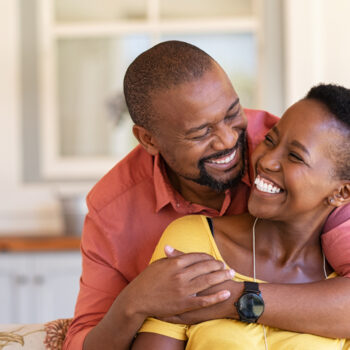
(187, 234)
(187, 223)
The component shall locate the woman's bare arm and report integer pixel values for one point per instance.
(153, 341)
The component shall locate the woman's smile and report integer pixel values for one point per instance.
(267, 186)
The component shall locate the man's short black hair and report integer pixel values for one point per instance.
(163, 66)
(336, 99)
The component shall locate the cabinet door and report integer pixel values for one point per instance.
(15, 289)
(55, 285)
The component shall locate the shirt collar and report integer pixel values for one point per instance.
(249, 173)
(163, 190)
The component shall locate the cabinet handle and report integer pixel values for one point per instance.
(21, 279)
(38, 279)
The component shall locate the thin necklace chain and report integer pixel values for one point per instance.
(254, 275)
(254, 262)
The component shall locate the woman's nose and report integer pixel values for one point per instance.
(270, 161)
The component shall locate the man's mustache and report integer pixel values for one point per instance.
(224, 152)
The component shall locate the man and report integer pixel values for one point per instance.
(196, 140)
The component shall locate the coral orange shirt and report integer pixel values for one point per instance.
(129, 208)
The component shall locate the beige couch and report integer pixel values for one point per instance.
(48, 336)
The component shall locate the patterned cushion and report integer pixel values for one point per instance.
(49, 336)
(20, 337)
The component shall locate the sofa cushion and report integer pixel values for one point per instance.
(20, 337)
(48, 336)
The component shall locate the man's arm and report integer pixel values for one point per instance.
(320, 308)
(166, 287)
(336, 240)
(105, 320)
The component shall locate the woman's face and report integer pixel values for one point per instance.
(294, 168)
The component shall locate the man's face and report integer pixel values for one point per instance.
(201, 131)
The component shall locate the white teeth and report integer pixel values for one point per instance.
(225, 160)
(263, 186)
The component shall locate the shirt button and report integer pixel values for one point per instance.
(177, 205)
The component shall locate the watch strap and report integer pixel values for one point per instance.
(251, 287)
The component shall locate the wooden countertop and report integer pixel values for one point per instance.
(38, 243)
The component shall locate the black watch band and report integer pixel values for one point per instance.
(251, 287)
(250, 304)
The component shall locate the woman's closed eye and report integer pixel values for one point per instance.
(295, 157)
(269, 140)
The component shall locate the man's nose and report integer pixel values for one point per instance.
(225, 138)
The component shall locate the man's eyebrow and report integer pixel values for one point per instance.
(234, 104)
(203, 126)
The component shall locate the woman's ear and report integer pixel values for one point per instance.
(340, 196)
(146, 139)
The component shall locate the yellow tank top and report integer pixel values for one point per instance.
(192, 234)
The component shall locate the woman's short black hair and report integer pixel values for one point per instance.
(336, 99)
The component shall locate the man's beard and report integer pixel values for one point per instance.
(220, 186)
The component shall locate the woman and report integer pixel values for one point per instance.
(302, 173)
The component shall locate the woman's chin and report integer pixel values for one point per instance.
(258, 210)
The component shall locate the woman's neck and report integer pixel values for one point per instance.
(290, 251)
(286, 252)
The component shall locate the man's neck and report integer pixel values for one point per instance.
(195, 193)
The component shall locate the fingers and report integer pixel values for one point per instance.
(171, 252)
(208, 280)
(183, 260)
(211, 299)
(197, 271)
(197, 308)
(203, 267)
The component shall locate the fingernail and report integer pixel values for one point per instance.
(232, 273)
(169, 249)
(225, 294)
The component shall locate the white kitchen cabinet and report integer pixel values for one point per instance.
(38, 287)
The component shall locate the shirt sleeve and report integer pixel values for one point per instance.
(336, 240)
(176, 331)
(100, 284)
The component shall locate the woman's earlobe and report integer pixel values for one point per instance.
(340, 196)
(345, 191)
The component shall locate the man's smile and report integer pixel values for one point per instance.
(223, 160)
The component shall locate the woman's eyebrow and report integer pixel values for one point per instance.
(294, 142)
(275, 130)
(300, 146)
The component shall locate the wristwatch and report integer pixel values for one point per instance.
(250, 304)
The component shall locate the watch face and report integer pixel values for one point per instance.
(251, 305)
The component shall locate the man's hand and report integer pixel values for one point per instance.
(166, 287)
(225, 309)
(170, 286)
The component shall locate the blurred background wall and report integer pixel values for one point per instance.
(63, 118)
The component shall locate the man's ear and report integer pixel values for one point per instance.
(340, 196)
(146, 139)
